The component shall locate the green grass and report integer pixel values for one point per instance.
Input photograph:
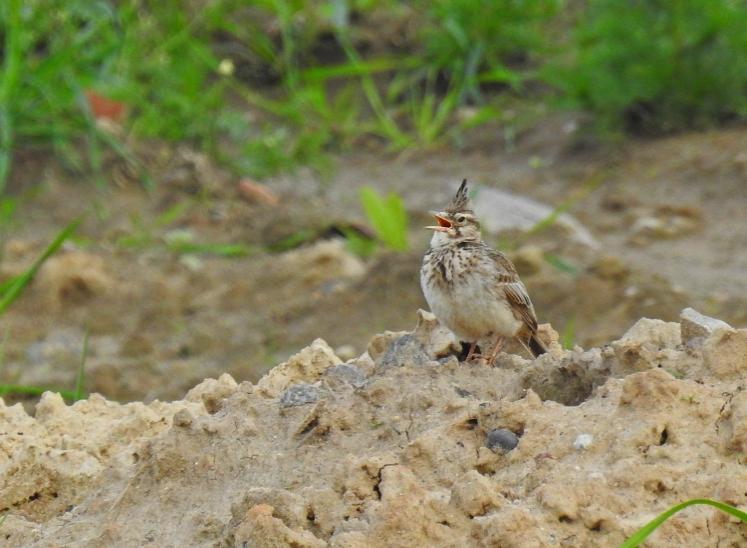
(265, 86)
(12, 66)
(11, 289)
(80, 378)
(639, 536)
(656, 67)
(388, 217)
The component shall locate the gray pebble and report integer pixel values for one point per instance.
(300, 394)
(502, 440)
(406, 350)
(348, 373)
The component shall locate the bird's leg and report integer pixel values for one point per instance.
(500, 341)
(471, 351)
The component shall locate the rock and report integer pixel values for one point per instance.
(501, 440)
(306, 366)
(643, 345)
(399, 461)
(476, 495)
(436, 339)
(583, 441)
(261, 530)
(346, 352)
(649, 390)
(499, 211)
(347, 373)
(212, 392)
(656, 332)
(559, 500)
(183, 418)
(300, 394)
(725, 353)
(381, 342)
(322, 262)
(610, 267)
(667, 222)
(528, 259)
(694, 325)
(429, 341)
(402, 350)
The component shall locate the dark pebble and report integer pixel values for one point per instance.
(502, 440)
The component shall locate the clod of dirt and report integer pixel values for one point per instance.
(397, 456)
(73, 278)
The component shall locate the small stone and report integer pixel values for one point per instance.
(502, 440)
(461, 392)
(346, 352)
(609, 267)
(436, 339)
(529, 259)
(300, 394)
(694, 325)
(348, 373)
(407, 350)
(183, 418)
(583, 441)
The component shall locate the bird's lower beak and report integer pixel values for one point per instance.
(444, 224)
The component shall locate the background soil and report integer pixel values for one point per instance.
(668, 216)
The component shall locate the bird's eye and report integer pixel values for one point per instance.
(461, 219)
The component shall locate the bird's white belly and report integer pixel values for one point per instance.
(471, 310)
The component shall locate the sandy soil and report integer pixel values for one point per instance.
(402, 446)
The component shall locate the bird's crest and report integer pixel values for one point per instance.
(461, 201)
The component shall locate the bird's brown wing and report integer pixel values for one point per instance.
(514, 289)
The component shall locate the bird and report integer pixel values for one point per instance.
(472, 289)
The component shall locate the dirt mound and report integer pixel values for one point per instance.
(403, 446)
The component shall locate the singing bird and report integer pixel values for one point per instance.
(472, 289)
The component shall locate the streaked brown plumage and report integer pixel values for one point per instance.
(472, 289)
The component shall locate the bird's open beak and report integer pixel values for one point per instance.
(444, 224)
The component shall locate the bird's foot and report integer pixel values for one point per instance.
(496, 350)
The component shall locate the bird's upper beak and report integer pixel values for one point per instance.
(444, 224)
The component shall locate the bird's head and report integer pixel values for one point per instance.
(457, 223)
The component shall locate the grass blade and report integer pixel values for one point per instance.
(11, 76)
(80, 378)
(33, 390)
(13, 290)
(639, 536)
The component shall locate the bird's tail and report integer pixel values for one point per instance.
(535, 346)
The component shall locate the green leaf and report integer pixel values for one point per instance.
(388, 217)
(639, 536)
(222, 250)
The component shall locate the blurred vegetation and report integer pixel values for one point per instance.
(267, 85)
(658, 65)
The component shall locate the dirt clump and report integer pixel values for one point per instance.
(402, 446)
